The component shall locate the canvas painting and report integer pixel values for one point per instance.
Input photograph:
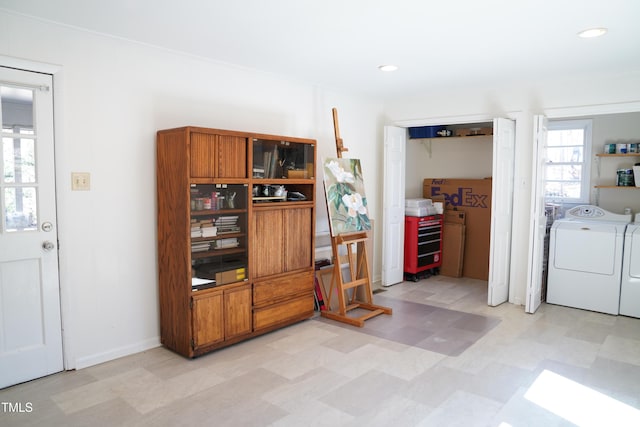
(346, 200)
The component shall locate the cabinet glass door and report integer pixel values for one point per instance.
(218, 234)
(282, 159)
(285, 171)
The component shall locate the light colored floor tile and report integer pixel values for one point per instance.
(393, 411)
(435, 386)
(314, 385)
(85, 396)
(292, 366)
(472, 361)
(463, 409)
(591, 331)
(363, 360)
(621, 349)
(499, 382)
(524, 354)
(575, 352)
(626, 327)
(363, 394)
(521, 412)
(311, 412)
(306, 337)
(410, 363)
(132, 362)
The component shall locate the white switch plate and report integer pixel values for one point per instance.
(80, 181)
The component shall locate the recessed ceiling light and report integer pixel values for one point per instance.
(592, 32)
(388, 67)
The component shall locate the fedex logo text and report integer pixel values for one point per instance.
(462, 197)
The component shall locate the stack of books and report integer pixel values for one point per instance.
(200, 246)
(227, 243)
(203, 228)
(196, 231)
(258, 171)
(227, 225)
(208, 229)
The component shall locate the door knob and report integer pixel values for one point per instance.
(47, 245)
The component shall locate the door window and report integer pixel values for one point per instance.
(19, 195)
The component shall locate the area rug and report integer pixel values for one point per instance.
(432, 328)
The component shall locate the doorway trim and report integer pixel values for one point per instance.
(514, 116)
(562, 113)
(56, 71)
(592, 110)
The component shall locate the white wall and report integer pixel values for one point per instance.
(111, 98)
(521, 100)
(468, 157)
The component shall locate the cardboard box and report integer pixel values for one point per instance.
(473, 197)
(454, 217)
(453, 237)
(230, 276)
(463, 132)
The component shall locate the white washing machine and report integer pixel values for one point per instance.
(630, 288)
(585, 259)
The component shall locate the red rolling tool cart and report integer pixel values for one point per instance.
(422, 246)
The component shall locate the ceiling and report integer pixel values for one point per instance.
(338, 44)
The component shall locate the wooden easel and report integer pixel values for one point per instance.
(359, 273)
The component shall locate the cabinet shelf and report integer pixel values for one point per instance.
(283, 181)
(456, 137)
(221, 181)
(217, 252)
(218, 237)
(282, 204)
(269, 198)
(222, 212)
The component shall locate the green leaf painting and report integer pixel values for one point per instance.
(346, 201)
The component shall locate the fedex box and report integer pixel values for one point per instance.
(473, 197)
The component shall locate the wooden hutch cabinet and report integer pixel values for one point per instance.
(236, 220)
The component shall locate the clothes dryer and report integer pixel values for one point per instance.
(630, 287)
(585, 259)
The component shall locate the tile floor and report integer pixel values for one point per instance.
(559, 367)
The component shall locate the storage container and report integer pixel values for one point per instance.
(625, 178)
(417, 203)
(425, 132)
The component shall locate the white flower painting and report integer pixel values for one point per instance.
(346, 200)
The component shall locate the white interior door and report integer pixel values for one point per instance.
(30, 324)
(539, 219)
(395, 139)
(501, 210)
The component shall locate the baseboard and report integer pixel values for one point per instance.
(95, 359)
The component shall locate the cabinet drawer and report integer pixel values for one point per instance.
(269, 291)
(296, 309)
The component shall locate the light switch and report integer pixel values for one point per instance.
(80, 181)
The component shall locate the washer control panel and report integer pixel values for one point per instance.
(586, 212)
(591, 212)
